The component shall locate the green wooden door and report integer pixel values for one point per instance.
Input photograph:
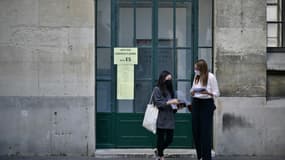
(165, 33)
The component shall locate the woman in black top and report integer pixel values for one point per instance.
(163, 98)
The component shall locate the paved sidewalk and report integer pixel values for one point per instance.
(141, 158)
(139, 154)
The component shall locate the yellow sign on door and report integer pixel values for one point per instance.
(125, 56)
(125, 82)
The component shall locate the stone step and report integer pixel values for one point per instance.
(179, 153)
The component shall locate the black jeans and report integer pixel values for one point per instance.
(202, 126)
(164, 139)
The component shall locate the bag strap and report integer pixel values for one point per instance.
(150, 100)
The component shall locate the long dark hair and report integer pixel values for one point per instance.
(163, 86)
(203, 68)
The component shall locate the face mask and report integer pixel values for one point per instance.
(197, 72)
(168, 84)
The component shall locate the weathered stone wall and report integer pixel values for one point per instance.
(240, 47)
(246, 123)
(47, 77)
(249, 126)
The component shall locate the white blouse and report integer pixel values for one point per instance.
(211, 87)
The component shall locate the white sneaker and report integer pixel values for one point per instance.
(156, 154)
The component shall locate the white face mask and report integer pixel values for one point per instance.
(197, 72)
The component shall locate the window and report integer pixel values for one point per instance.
(275, 46)
(275, 24)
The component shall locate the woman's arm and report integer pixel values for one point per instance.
(215, 87)
(158, 100)
(214, 92)
(161, 102)
(192, 88)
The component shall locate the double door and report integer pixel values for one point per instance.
(165, 33)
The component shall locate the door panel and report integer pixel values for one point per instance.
(144, 23)
(103, 19)
(143, 70)
(183, 131)
(165, 60)
(130, 133)
(104, 130)
(184, 68)
(103, 100)
(125, 106)
(165, 23)
(143, 90)
(183, 26)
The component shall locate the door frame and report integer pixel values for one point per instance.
(114, 43)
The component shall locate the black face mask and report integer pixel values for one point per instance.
(168, 84)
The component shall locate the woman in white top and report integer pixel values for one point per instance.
(204, 88)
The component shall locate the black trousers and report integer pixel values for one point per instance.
(164, 139)
(202, 126)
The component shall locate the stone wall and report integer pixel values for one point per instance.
(47, 77)
(246, 123)
(240, 47)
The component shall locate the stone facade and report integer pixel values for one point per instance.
(47, 75)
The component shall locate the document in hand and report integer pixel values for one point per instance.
(199, 89)
(173, 106)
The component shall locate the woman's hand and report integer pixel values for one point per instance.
(206, 92)
(192, 93)
(173, 101)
